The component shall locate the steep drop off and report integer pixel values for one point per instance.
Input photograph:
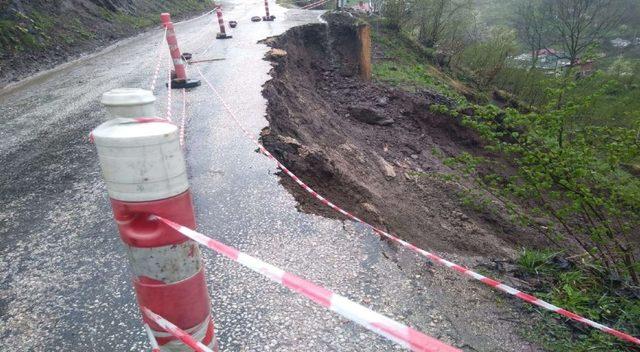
(375, 150)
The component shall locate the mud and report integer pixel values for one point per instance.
(373, 149)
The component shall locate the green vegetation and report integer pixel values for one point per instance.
(411, 69)
(39, 28)
(569, 141)
(586, 289)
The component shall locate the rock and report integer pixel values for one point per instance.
(382, 102)
(275, 54)
(269, 41)
(414, 156)
(289, 140)
(369, 115)
(370, 208)
(387, 169)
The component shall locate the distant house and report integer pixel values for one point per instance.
(362, 6)
(547, 52)
(620, 43)
(547, 59)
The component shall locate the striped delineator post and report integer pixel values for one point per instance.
(180, 81)
(267, 17)
(223, 33)
(145, 173)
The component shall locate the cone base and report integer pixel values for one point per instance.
(270, 18)
(184, 83)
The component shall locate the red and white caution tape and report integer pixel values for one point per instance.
(376, 322)
(156, 71)
(184, 116)
(196, 18)
(168, 116)
(315, 4)
(175, 331)
(433, 257)
(152, 339)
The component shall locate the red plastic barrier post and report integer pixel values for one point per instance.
(223, 33)
(145, 172)
(266, 8)
(180, 81)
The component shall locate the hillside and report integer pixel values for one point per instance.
(443, 163)
(36, 35)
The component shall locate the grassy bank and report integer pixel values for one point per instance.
(38, 34)
(566, 167)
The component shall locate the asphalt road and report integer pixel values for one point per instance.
(64, 282)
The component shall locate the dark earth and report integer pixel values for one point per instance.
(373, 149)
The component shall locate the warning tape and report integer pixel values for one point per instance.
(315, 4)
(184, 116)
(152, 339)
(175, 331)
(433, 257)
(156, 71)
(376, 322)
(195, 18)
(168, 116)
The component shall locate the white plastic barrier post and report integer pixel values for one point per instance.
(129, 103)
(144, 169)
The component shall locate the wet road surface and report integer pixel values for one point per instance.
(64, 282)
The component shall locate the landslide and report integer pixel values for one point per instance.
(39, 34)
(374, 149)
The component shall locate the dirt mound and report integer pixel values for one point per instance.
(375, 150)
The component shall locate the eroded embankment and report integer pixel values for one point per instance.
(375, 150)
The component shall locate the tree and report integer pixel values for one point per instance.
(577, 25)
(395, 12)
(531, 26)
(487, 58)
(435, 18)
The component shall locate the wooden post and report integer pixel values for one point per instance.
(364, 36)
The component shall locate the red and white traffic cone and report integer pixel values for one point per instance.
(144, 169)
(266, 8)
(180, 79)
(223, 33)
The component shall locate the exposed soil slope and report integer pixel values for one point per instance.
(375, 150)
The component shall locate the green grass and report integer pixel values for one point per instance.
(583, 290)
(34, 30)
(407, 66)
